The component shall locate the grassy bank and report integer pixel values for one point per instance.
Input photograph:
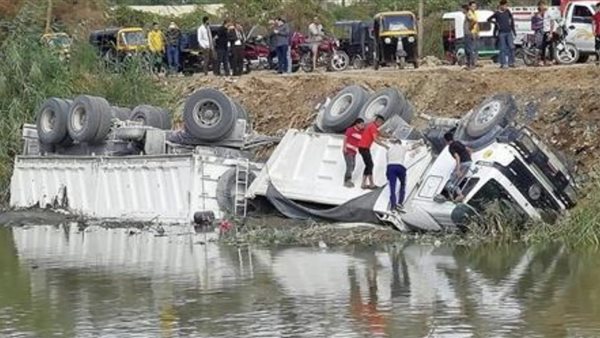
(30, 73)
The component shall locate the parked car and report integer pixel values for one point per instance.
(356, 39)
(453, 37)
(395, 39)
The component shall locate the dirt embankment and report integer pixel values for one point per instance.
(562, 104)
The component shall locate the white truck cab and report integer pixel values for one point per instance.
(511, 165)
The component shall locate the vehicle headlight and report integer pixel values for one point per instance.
(387, 40)
(411, 39)
(534, 192)
(570, 192)
(527, 142)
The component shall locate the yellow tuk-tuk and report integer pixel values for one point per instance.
(59, 43)
(395, 39)
(116, 44)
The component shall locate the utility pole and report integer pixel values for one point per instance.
(420, 27)
(49, 17)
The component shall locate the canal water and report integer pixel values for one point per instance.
(61, 281)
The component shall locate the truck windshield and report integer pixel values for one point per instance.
(136, 38)
(398, 23)
(491, 194)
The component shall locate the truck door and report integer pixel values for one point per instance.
(579, 26)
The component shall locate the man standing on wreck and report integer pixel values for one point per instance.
(370, 135)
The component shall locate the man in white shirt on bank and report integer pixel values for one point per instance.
(205, 42)
(396, 171)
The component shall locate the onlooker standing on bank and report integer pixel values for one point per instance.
(315, 37)
(505, 25)
(206, 44)
(237, 50)
(282, 38)
(173, 47)
(222, 49)
(471, 34)
(156, 44)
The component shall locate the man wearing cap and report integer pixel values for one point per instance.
(173, 46)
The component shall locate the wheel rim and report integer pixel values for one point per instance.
(207, 113)
(376, 107)
(341, 105)
(567, 55)
(339, 62)
(48, 120)
(488, 112)
(78, 118)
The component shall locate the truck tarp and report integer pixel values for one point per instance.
(359, 209)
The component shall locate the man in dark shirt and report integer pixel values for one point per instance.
(505, 27)
(462, 155)
(222, 49)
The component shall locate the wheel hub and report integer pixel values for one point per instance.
(376, 107)
(208, 113)
(488, 112)
(340, 106)
(79, 118)
(48, 120)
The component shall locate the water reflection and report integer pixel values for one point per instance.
(118, 283)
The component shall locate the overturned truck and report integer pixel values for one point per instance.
(116, 164)
(113, 163)
(512, 168)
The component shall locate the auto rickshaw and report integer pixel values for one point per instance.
(453, 37)
(115, 45)
(59, 43)
(356, 39)
(395, 39)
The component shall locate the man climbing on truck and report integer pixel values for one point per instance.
(350, 149)
(462, 155)
(596, 29)
(396, 171)
(369, 135)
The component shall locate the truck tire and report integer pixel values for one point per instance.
(209, 115)
(226, 186)
(241, 113)
(151, 116)
(51, 121)
(344, 108)
(89, 119)
(497, 110)
(568, 56)
(121, 113)
(385, 102)
(408, 112)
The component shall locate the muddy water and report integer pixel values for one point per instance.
(63, 282)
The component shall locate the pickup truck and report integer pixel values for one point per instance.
(576, 16)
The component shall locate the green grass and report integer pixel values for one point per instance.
(30, 73)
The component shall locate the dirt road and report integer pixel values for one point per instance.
(560, 103)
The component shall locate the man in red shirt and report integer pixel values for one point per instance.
(370, 135)
(596, 29)
(351, 141)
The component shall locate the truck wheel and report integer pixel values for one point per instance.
(209, 115)
(497, 110)
(121, 113)
(226, 187)
(51, 121)
(151, 116)
(385, 102)
(344, 108)
(89, 119)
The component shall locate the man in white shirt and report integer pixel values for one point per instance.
(205, 42)
(315, 36)
(396, 171)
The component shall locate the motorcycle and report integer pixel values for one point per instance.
(329, 56)
(565, 53)
(259, 55)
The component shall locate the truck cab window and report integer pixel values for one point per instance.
(493, 193)
(582, 14)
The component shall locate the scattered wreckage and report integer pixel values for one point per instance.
(110, 163)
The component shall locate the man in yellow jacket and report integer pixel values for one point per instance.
(471, 29)
(156, 43)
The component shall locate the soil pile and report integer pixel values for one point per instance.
(562, 104)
